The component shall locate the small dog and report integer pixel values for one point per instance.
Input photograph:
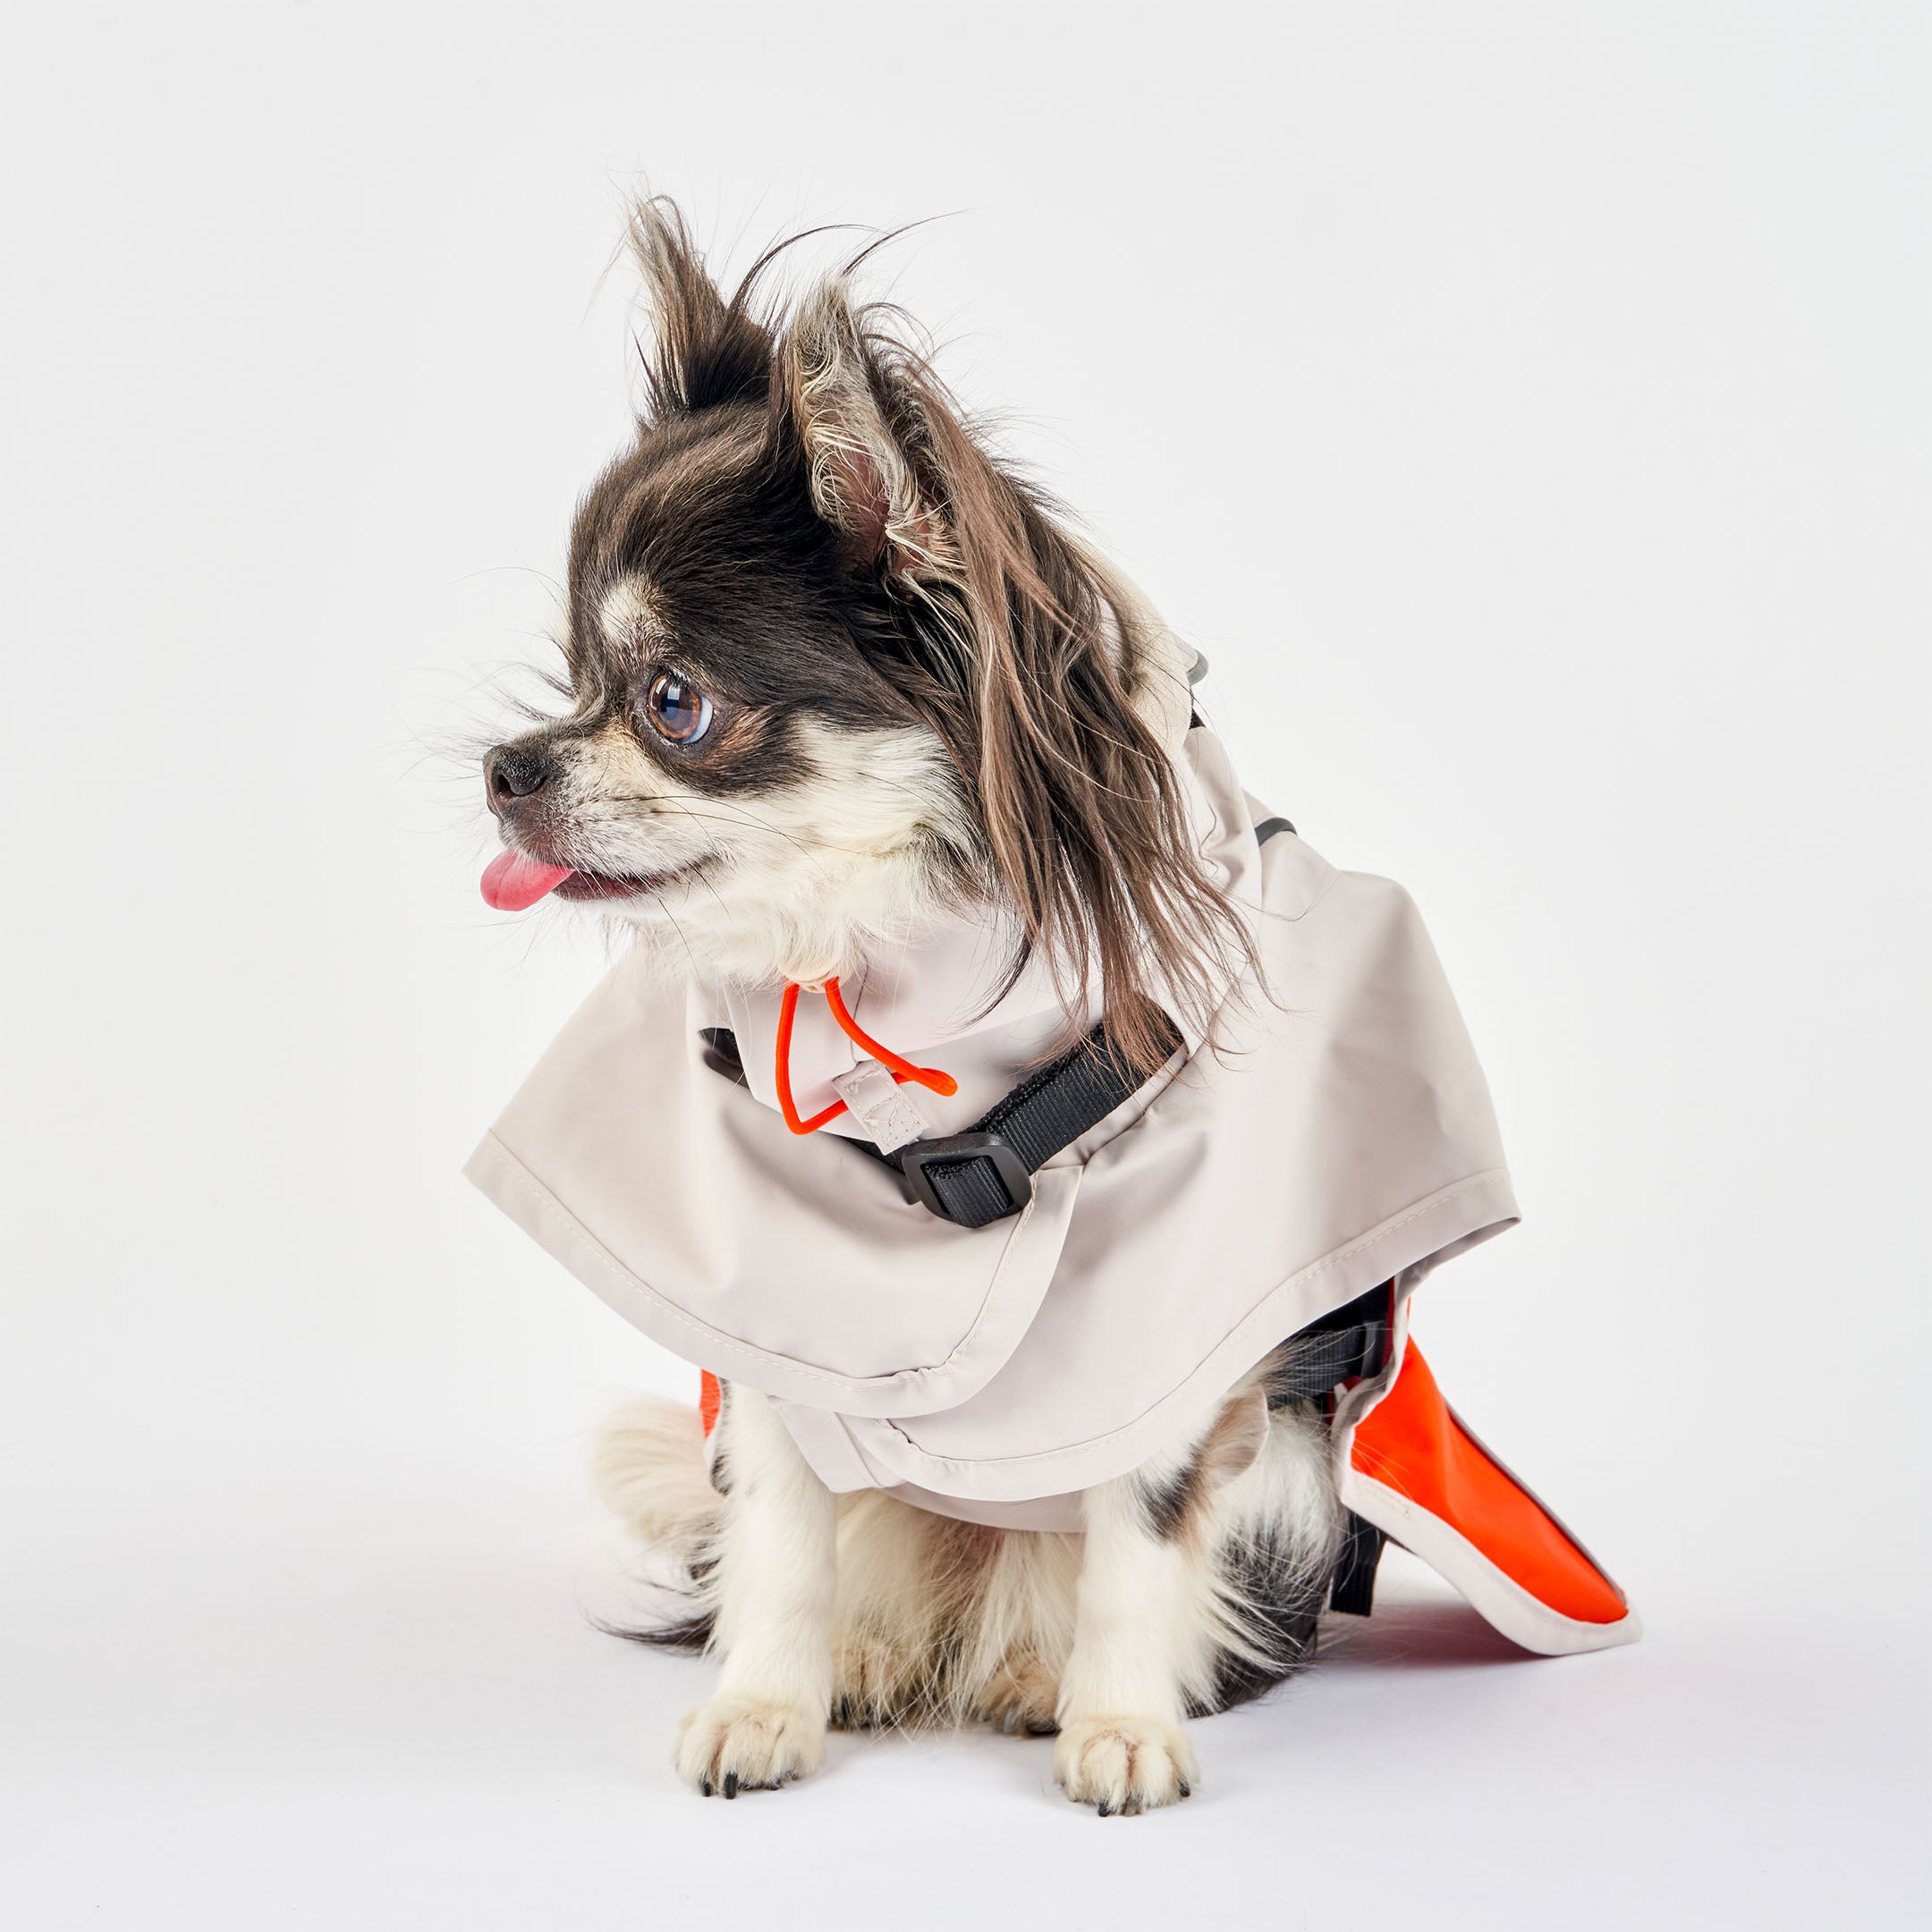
(835, 670)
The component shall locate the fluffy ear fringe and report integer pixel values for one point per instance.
(703, 349)
(860, 428)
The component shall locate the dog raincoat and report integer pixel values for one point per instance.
(1333, 1136)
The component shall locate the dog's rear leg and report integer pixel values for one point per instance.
(773, 1587)
(1142, 1628)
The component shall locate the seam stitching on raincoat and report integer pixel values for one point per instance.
(595, 1250)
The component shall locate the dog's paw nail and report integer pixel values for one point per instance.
(736, 1744)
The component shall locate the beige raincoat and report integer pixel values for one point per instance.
(1338, 1136)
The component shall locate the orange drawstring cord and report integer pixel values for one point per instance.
(902, 1070)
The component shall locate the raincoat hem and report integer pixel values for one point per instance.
(851, 1453)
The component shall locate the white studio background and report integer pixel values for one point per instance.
(1524, 406)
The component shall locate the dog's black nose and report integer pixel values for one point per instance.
(515, 771)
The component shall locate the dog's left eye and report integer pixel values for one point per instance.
(677, 710)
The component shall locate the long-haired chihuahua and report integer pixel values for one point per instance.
(837, 675)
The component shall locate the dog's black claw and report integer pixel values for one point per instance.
(1131, 1809)
(730, 1783)
(1034, 1729)
(1106, 1810)
(704, 1787)
(1187, 1790)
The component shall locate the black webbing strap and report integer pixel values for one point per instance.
(987, 1173)
(1342, 1345)
(1351, 1588)
(1347, 1343)
(1320, 1360)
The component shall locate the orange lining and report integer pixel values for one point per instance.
(1413, 1443)
(710, 1399)
(902, 1070)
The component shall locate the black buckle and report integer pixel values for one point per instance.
(914, 1160)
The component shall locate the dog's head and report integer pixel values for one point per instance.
(831, 666)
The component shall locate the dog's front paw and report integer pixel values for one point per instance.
(1123, 1765)
(734, 1743)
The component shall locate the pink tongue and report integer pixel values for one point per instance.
(511, 882)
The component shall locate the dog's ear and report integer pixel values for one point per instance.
(867, 435)
(1016, 650)
(703, 349)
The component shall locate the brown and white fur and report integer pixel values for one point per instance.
(1186, 1593)
(830, 666)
